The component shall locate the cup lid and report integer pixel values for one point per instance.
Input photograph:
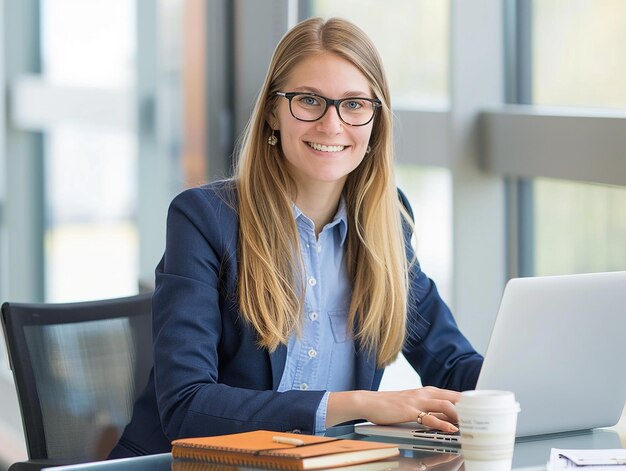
(487, 399)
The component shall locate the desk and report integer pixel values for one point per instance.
(529, 455)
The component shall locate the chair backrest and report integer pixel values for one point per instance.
(78, 368)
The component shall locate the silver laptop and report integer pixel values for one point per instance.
(559, 343)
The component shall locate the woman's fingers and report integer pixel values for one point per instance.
(437, 409)
(440, 406)
(434, 421)
(442, 416)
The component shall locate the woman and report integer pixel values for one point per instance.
(284, 292)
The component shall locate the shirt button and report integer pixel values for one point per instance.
(312, 281)
(318, 248)
(313, 316)
(304, 386)
(312, 353)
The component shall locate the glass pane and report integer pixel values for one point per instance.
(91, 241)
(578, 61)
(88, 43)
(91, 247)
(412, 38)
(429, 190)
(577, 57)
(578, 227)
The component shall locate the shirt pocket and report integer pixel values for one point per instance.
(339, 326)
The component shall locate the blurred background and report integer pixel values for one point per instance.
(510, 138)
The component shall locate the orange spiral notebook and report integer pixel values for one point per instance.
(277, 450)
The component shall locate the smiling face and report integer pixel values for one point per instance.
(327, 150)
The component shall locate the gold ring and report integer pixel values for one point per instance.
(421, 416)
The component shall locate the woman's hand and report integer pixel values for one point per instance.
(434, 406)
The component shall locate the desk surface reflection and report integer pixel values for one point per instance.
(530, 454)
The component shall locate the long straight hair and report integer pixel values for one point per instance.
(270, 279)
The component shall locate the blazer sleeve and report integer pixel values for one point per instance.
(190, 319)
(434, 345)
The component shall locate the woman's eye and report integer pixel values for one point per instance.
(353, 105)
(309, 100)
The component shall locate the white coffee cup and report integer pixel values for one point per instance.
(487, 421)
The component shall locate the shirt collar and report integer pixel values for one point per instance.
(340, 219)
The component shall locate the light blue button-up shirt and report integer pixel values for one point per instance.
(323, 357)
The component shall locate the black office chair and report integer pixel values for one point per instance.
(78, 368)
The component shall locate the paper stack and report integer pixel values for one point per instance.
(592, 460)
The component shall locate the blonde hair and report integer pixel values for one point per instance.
(271, 287)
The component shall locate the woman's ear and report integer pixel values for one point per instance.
(272, 120)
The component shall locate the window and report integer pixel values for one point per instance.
(578, 227)
(429, 189)
(91, 248)
(412, 40)
(578, 61)
(577, 58)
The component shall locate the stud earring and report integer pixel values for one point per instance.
(368, 150)
(272, 140)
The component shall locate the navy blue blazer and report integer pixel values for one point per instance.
(210, 377)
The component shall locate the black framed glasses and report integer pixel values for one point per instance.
(354, 111)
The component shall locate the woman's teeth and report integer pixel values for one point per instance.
(323, 148)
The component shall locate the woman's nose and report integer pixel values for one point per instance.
(331, 122)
